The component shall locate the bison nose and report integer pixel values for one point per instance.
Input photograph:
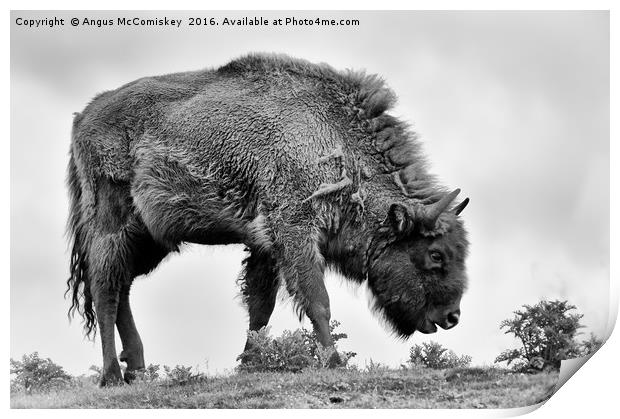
(452, 319)
(445, 317)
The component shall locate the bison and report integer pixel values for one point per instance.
(299, 162)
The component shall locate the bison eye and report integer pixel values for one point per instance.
(436, 256)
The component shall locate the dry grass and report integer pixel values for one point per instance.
(380, 388)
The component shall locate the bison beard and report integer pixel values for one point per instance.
(299, 162)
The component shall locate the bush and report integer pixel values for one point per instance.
(94, 378)
(433, 355)
(181, 375)
(292, 351)
(35, 373)
(148, 374)
(151, 372)
(547, 332)
(373, 367)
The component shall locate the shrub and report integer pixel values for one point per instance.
(181, 375)
(148, 374)
(35, 373)
(373, 367)
(547, 332)
(94, 378)
(96, 369)
(151, 372)
(433, 355)
(292, 351)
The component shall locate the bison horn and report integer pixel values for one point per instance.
(460, 207)
(433, 211)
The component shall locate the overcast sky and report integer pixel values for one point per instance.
(512, 107)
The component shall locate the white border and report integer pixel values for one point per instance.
(592, 392)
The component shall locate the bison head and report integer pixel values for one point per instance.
(416, 266)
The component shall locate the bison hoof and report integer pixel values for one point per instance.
(130, 376)
(111, 376)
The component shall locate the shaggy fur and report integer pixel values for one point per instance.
(298, 161)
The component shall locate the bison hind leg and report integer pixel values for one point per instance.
(145, 255)
(120, 249)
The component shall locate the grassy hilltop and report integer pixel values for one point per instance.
(290, 371)
(375, 387)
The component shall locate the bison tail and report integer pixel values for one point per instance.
(78, 284)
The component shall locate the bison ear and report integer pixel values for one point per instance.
(399, 218)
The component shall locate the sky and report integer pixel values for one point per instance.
(512, 107)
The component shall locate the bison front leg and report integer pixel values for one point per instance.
(303, 269)
(318, 312)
